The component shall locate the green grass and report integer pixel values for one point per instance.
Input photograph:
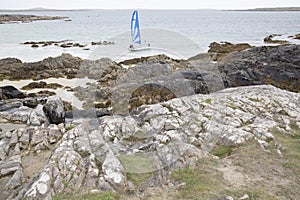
(253, 194)
(88, 196)
(202, 182)
(222, 151)
(291, 150)
(138, 178)
(205, 182)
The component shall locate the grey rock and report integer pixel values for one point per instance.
(10, 166)
(8, 105)
(54, 109)
(37, 117)
(15, 181)
(113, 171)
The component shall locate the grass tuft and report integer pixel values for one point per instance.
(88, 196)
(222, 151)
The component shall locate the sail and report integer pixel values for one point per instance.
(135, 28)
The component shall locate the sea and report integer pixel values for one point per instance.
(178, 33)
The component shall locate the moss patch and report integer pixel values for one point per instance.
(208, 101)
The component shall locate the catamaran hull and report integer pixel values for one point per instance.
(140, 49)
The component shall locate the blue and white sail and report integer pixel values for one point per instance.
(135, 28)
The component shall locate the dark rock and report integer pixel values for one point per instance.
(224, 48)
(269, 39)
(102, 43)
(34, 46)
(45, 93)
(54, 110)
(10, 92)
(297, 36)
(30, 102)
(276, 65)
(61, 66)
(41, 84)
(65, 46)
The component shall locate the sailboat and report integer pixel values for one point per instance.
(136, 34)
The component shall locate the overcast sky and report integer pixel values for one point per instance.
(148, 4)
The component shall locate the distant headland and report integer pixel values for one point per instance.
(39, 9)
(277, 9)
(17, 18)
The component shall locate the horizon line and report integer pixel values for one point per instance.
(74, 9)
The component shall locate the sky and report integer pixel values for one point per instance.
(146, 4)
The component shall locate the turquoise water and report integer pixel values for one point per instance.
(201, 26)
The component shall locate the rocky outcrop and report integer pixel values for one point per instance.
(223, 48)
(269, 39)
(297, 36)
(104, 70)
(63, 44)
(41, 84)
(153, 139)
(119, 88)
(102, 43)
(278, 66)
(5, 19)
(10, 92)
(34, 111)
(227, 47)
(61, 66)
(122, 87)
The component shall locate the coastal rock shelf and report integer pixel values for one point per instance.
(157, 139)
(5, 19)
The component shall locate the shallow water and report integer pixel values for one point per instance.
(200, 26)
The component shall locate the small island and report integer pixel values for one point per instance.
(17, 18)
